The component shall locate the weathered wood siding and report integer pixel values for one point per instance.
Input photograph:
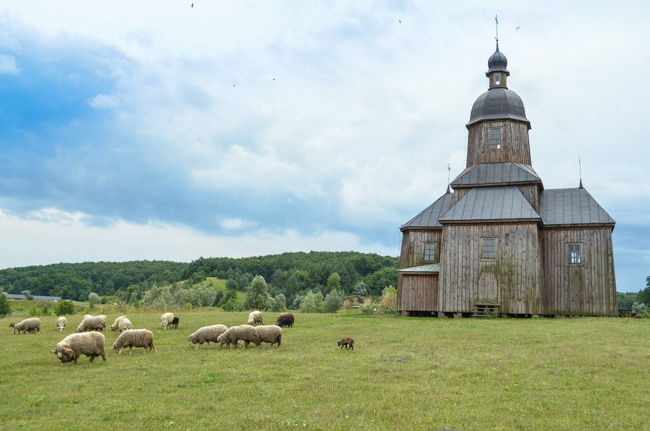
(512, 279)
(458, 194)
(515, 146)
(413, 242)
(417, 292)
(588, 288)
(531, 193)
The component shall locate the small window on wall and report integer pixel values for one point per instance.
(489, 249)
(497, 79)
(575, 254)
(429, 252)
(495, 139)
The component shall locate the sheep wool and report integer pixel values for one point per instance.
(269, 334)
(255, 317)
(285, 319)
(92, 323)
(206, 334)
(166, 320)
(134, 338)
(121, 324)
(71, 347)
(246, 333)
(28, 326)
(60, 323)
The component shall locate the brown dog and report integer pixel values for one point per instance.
(347, 342)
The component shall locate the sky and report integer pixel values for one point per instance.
(172, 130)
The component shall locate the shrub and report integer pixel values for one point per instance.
(257, 297)
(333, 302)
(5, 306)
(388, 303)
(279, 303)
(312, 303)
(639, 308)
(369, 308)
(64, 307)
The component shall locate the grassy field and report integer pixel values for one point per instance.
(404, 373)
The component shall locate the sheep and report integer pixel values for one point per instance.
(166, 320)
(236, 333)
(255, 317)
(28, 326)
(347, 342)
(206, 334)
(60, 323)
(269, 334)
(175, 322)
(134, 338)
(285, 319)
(92, 323)
(121, 324)
(71, 347)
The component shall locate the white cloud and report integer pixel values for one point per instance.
(104, 102)
(8, 65)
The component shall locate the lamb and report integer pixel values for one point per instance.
(236, 333)
(28, 326)
(121, 324)
(166, 320)
(134, 338)
(92, 323)
(255, 317)
(60, 323)
(71, 347)
(347, 342)
(206, 334)
(269, 334)
(285, 319)
(175, 322)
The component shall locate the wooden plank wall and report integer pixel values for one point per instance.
(531, 193)
(418, 292)
(413, 241)
(516, 268)
(585, 289)
(515, 146)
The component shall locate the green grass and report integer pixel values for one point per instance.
(404, 373)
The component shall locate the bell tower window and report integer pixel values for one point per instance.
(495, 139)
(497, 79)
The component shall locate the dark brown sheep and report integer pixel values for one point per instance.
(285, 319)
(347, 342)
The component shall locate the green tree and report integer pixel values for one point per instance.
(333, 302)
(64, 307)
(644, 295)
(5, 306)
(378, 281)
(27, 294)
(93, 299)
(312, 303)
(257, 296)
(333, 282)
(279, 303)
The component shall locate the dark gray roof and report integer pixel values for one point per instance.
(433, 267)
(39, 297)
(496, 173)
(497, 62)
(498, 104)
(491, 203)
(571, 207)
(429, 217)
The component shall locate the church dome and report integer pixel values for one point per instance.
(498, 104)
(497, 62)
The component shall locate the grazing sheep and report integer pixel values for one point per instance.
(121, 324)
(246, 333)
(166, 320)
(285, 319)
(71, 347)
(206, 334)
(134, 338)
(92, 323)
(269, 334)
(347, 342)
(28, 326)
(255, 317)
(60, 323)
(175, 322)
(87, 315)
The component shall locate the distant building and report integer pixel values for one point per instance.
(500, 243)
(38, 297)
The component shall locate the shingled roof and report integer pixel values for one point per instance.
(573, 206)
(496, 173)
(428, 218)
(491, 203)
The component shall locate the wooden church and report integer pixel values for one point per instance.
(499, 243)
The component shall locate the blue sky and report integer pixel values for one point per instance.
(157, 130)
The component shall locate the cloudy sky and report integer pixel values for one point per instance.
(161, 130)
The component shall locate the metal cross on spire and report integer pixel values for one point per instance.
(496, 19)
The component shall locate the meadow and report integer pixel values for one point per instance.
(404, 373)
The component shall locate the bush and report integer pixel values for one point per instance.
(312, 303)
(370, 308)
(279, 303)
(388, 303)
(333, 302)
(5, 306)
(64, 307)
(639, 308)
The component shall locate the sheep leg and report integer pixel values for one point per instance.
(92, 358)
(104, 355)
(130, 349)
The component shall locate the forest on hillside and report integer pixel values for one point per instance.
(289, 274)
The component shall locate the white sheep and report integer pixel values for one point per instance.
(60, 323)
(134, 338)
(92, 323)
(121, 324)
(166, 320)
(71, 347)
(254, 318)
(28, 326)
(269, 334)
(206, 334)
(235, 333)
